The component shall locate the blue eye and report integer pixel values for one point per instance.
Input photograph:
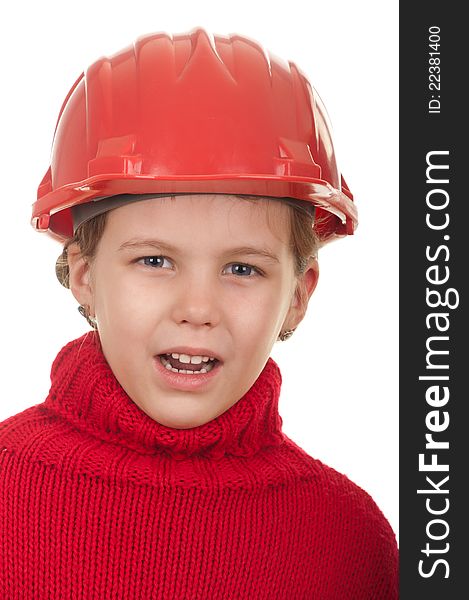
(153, 261)
(243, 270)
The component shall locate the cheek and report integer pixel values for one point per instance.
(264, 311)
(123, 305)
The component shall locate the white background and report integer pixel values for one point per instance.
(339, 397)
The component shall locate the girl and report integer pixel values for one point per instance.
(192, 181)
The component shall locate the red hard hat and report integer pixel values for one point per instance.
(193, 113)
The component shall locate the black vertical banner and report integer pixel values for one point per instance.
(434, 330)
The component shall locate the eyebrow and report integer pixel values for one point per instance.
(160, 245)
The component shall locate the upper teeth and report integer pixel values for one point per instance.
(195, 360)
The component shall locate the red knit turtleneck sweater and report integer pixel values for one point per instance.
(99, 501)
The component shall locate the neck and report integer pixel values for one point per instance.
(85, 392)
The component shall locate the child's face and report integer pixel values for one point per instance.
(197, 294)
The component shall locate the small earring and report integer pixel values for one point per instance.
(85, 312)
(284, 335)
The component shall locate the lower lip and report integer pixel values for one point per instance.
(185, 381)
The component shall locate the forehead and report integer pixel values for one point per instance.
(198, 216)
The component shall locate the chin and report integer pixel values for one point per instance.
(183, 423)
(181, 419)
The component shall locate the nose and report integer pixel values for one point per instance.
(196, 301)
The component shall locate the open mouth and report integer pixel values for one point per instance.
(183, 363)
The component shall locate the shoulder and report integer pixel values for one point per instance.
(344, 500)
(353, 532)
(21, 433)
(21, 419)
(331, 486)
(9, 427)
(14, 432)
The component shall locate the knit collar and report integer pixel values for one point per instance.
(86, 393)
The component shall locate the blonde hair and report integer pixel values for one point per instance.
(304, 242)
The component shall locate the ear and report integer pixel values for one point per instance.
(305, 286)
(80, 277)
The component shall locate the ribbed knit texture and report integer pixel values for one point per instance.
(99, 501)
